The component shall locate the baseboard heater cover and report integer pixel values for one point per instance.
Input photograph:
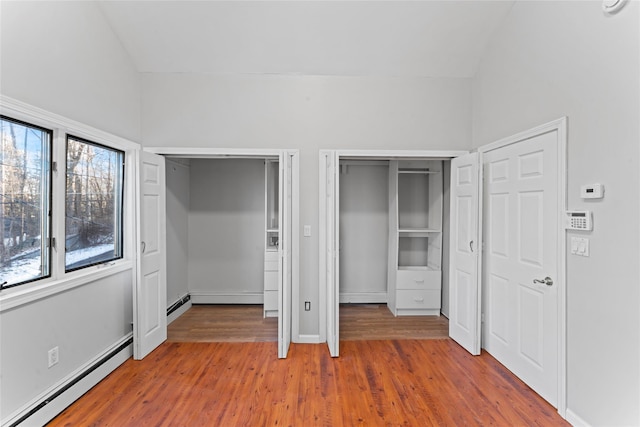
(74, 381)
(176, 305)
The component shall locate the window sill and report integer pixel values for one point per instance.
(12, 298)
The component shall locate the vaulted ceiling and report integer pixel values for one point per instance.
(355, 38)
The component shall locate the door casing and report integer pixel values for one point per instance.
(559, 126)
(223, 153)
(328, 199)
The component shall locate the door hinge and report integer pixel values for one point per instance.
(54, 166)
(52, 242)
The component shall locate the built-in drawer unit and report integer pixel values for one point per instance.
(418, 299)
(271, 283)
(271, 303)
(271, 261)
(418, 279)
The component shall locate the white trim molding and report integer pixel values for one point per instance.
(204, 297)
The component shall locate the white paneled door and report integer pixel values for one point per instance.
(333, 253)
(521, 215)
(150, 296)
(285, 254)
(464, 289)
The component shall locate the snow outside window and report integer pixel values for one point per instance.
(93, 205)
(25, 199)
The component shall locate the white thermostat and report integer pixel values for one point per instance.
(579, 220)
(593, 191)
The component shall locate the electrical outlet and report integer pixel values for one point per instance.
(53, 356)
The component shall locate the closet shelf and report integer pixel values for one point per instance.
(418, 268)
(417, 170)
(418, 232)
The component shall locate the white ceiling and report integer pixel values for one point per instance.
(356, 38)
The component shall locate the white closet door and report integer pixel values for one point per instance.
(150, 296)
(465, 248)
(285, 255)
(332, 216)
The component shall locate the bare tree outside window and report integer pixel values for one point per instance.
(25, 193)
(93, 226)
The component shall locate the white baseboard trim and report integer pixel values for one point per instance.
(308, 339)
(573, 419)
(49, 404)
(178, 312)
(363, 297)
(226, 298)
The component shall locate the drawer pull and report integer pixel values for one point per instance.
(418, 299)
(419, 280)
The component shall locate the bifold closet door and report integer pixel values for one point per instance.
(285, 255)
(465, 249)
(150, 294)
(330, 258)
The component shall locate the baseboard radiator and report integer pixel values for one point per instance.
(176, 305)
(36, 412)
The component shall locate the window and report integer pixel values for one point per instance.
(25, 200)
(93, 204)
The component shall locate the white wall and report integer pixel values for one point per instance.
(82, 323)
(364, 232)
(226, 229)
(178, 190)
(64, 58)
(553, 59)
(306, 113)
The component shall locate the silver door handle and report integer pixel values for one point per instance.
(471, 245)
(144, 246)
(546, 281)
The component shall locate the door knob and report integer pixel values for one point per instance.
(546, 281)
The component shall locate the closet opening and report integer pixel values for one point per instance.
(222, 235)
(393, 248)
(415, 221)
(232, 244)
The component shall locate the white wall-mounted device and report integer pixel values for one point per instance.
(578, 220)
(592, 191)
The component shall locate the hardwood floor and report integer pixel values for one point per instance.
(244, 323)
(373, 383)
(375, 322)
(223, 323)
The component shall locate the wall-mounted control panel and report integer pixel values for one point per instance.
(578, 220)
(592, 191)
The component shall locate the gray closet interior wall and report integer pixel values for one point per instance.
(226, 227)
(364, 224)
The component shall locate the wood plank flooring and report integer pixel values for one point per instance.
(372, 383)
(245, 323)
(223, 323)
(376, 322)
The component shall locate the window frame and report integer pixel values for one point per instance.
(118, 219)
(46, 251)
(60, 281)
